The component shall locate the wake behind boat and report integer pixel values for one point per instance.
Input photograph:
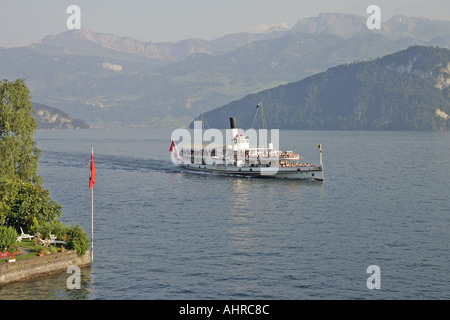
(238, 158)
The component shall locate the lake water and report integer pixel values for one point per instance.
(161, 233)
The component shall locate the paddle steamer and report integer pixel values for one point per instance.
(238, 158)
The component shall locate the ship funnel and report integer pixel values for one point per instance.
(233, 123)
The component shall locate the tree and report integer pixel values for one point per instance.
(19, 154)
(8, 237)
(23, 204)
(23, 201)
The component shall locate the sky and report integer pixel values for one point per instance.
(23, 22)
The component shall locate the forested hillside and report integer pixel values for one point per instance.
(407, 90)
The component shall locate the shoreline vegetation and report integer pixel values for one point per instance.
(29, 225)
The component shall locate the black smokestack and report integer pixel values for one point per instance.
(233, 123)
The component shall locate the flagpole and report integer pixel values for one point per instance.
(263, 121)
(262, 114)
(92, 216)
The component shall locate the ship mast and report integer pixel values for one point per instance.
(263, 121)
(262, 114)
(203, 120)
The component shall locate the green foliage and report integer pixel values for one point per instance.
(8, 236)
(18, 152)
(41, 249)
(75, 237)
(24, 203)
(57, 228)
(396, 92)
(34, 225)
(78, 240)
(38, 248)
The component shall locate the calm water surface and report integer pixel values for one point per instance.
(161, 233)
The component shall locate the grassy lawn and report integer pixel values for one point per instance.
(28, 244)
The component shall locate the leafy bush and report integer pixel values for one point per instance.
(57, 228)
(38, 248)
(24, 204)
(78, 240)
(60, 230)
(8, 236)
(34, 225)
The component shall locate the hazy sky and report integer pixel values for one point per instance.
(25, 21)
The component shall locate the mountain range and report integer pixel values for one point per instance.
(407, 90)
(103, 78)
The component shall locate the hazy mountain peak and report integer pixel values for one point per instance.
(106, 40)
(277, 27)
(400, 26)
(88, 42)
(331, 23)
(83, 33)
(266, 28)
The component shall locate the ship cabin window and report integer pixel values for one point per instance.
(240, 140)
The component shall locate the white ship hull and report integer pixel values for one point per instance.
(309, 173)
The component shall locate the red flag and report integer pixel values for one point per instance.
(173, 149)
(92, 176)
